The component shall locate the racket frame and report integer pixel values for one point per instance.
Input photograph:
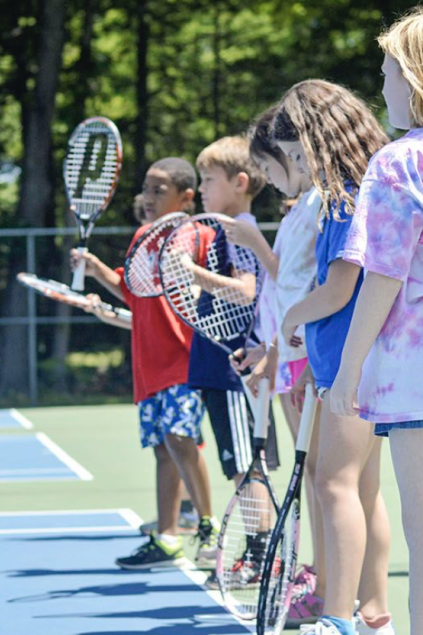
(293, 495)
(85, 226)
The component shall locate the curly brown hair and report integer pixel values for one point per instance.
(338, 133)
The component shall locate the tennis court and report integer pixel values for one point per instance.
(58, 571)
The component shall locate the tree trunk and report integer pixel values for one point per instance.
(37, 192)
(141, 121)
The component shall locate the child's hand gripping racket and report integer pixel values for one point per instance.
(91, 171)
(281, 558)
(247, 524)
(62, 293)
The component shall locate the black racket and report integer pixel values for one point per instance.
(91, 171)
(280, 563)
(247, 524)
(142, 262)
(62, 293)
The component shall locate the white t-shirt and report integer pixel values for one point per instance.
(386, 237)
(295, 242)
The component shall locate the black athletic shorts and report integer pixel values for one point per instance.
(232, 425)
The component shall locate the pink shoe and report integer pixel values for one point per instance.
(305, 610)
(305, 582)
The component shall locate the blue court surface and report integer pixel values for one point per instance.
(36, 457)
(67, 583)
(13, 419)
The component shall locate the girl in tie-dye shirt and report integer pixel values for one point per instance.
(383, 355)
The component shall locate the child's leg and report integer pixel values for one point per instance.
(373, 589)
(344, 447)
(407, 453)
(168, 491)
(192, 467)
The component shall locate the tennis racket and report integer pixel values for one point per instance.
(281, 558)
(62, 293)
(247, 525)
(91, 171)
(142, 262)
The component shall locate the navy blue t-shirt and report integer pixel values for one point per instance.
(325, 338)
(209, 365)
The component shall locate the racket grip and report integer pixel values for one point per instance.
(262, 412)
(78, 282)
(307, 420)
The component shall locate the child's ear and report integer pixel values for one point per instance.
(187, 198)
(242, 182)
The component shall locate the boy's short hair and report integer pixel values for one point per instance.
(180, 171)
(232, 154)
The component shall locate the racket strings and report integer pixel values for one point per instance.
(245, 544)
(92, 163)
(282, 575)
(220, 312)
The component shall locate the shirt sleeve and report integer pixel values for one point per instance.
(388, 220)
(338, 233)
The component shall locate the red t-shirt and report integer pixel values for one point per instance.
(160, 341)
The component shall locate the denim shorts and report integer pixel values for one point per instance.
(383, 429)
(175, 410)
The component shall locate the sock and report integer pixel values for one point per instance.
(378, 621)
(170, 540)
(345, 627)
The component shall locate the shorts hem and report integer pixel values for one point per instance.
(383, 429)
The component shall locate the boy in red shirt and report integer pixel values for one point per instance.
(170, 411)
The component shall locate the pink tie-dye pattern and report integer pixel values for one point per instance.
(386, 237)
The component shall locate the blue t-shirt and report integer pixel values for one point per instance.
(325, 338)
(209, 365)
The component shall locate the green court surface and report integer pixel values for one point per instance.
(104, 441)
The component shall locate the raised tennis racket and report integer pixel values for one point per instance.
(62, 293)
(247, 525)
(91, 171)
(281, 558)
(212, 285)
(142, 262)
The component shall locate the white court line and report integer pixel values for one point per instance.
(131, 517)
(83, 474)
(66, 530)
(26, 423)
(68, 512)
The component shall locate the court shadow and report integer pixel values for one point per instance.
(78, 538)
(166, 613)
(36, 573)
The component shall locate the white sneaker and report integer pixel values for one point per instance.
(322, 627)
(361, 627)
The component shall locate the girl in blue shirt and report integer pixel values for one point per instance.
(331, 135)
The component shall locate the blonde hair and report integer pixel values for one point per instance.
(403, 41)
(232, 154)
(338, 133)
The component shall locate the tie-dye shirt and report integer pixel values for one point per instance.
(386, 237)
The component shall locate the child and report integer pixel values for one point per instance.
(384, 359)
(229, 183)
(170, 411)
(290, 272)
(331, 135)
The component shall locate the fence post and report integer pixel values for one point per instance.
(32, 325)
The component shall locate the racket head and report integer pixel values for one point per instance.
(243, 541)
(222, 315)
(52, 289)
(92, 167)
(280, 564)
(142, 262)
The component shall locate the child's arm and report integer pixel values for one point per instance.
(108, 317)
(325, 300)
(107, 277)
(375, 300)
(247, 235)
(223, 286)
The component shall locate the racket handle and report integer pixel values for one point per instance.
(261, 421)
(78, 282)
(252, 401)
(307, 420)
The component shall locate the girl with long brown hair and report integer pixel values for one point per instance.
(331, 135)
